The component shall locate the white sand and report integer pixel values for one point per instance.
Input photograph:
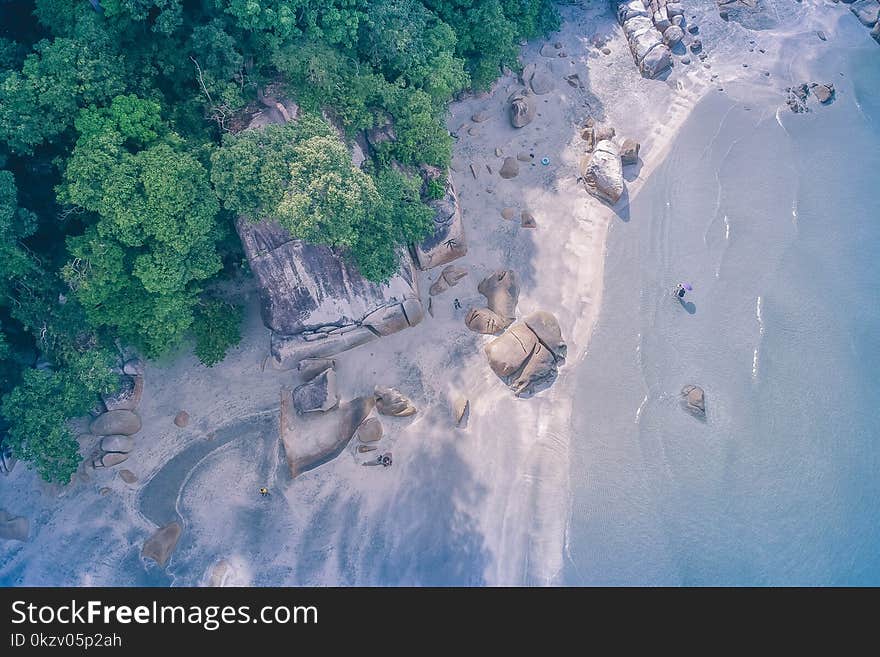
(488, 504)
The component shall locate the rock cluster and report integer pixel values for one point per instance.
(528, 354)
(651, 54)
(868, 13)
(798, 96)
(119, 423)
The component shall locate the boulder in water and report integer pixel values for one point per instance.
(629, 151)
(390, 401)
(318, 395)
(866, 11)
(181, 419)
(603, 172)
(694, 401)
(116, 422)
(162, 543)
(824, 93)
(527, 220)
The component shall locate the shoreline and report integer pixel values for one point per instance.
(499, 490)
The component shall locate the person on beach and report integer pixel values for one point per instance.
(456, 304)
(681, 289)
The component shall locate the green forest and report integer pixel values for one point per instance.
(123, 168)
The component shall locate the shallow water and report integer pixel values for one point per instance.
(774, 219)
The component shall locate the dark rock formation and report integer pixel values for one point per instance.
(318, 395)
(447, 242)
(694, 401)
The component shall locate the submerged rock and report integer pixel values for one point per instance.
(116, 422)
(603, 172)
(824, 93)
(694, 401)
(181, 419)
(390, 401)
(162, 543)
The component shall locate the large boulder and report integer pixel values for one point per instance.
(546, 328)
(693, 400)
(352, 416)
(116, 422)
(162, 543)
(128, 395)
(508, 352)
(603, 172)
(483, 320)
(629, 151)
(390, 401)
(540, 368)
(657, 60)
(447, 242)
(522, 110)
(117, 443)
(318, 395)
(824, 93)
(13, 528)
(672, 35)
(501, 290)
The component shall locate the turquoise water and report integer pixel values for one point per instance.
(775, 219)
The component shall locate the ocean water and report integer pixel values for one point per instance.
(775, 219)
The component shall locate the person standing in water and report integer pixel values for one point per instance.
(681, 289)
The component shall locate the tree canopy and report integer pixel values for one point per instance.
(123, 167)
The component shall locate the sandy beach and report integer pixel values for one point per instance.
(484, 504)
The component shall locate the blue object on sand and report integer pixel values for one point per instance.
(545, 161)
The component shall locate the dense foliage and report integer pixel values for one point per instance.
(123, 168)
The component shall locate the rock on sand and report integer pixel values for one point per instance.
(501, 290)
(510, 168)
(116, 422)
(603, 172)
(390, 401)
(522, 110)
(13, 528)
